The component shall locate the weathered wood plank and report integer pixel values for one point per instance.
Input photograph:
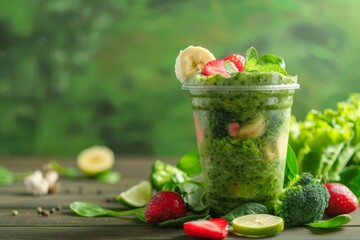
(92, 191)
(154, 232)
(63, 218)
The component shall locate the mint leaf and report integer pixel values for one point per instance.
(269, 67)
(266, 63)
(230, 68)
(251, 53)
(271, 58)
(251, 57)
(250, 65)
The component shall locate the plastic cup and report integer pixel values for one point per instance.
(242, 128)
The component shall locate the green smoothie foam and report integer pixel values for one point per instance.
(242, 125)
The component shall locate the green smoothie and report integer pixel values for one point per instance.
(242, 126)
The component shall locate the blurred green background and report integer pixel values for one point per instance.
(76, 73)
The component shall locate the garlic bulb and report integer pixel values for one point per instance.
(41, 183)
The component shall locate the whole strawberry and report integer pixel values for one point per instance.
(342, 200)
(163, 206)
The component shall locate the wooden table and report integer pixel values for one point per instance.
(28, 224)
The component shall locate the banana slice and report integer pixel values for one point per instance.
(252, 130)
(190, 60)
(95, 160)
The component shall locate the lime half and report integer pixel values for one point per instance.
(136, 196)
(258, 225)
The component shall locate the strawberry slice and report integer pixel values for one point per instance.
(342, 200)
(215, 67)
(238, 60)
(163, 206)
(233, 129)
(199, 131)
(215, 228)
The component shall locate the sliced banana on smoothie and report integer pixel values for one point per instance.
(94, 160)
(191, 60)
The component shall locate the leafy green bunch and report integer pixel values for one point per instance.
(327, 143)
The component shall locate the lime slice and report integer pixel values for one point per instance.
(258, 225)
(95, 160)
(136, 196)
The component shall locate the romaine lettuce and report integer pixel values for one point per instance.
(326, 142)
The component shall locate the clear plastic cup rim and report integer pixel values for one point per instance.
(278, 87)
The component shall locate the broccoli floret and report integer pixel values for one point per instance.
(165, 176)
(304, 201)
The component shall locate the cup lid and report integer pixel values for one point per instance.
(292, 86)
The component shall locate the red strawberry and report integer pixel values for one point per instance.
(163, 206)
(238, 60)
(215, 228)
(215, 67)
(342, 200)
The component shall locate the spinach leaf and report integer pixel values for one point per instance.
(245, 209)
(351, 178)
(194, 195)
(334, 222)
(291, 168)
(141, 215)
(7, 177)
(190, 163)
(69, 172)
(85, 209)
(109, 177)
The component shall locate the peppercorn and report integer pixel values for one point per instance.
(39, 210)
(45, 213)
(58, 208)
(15, 212)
